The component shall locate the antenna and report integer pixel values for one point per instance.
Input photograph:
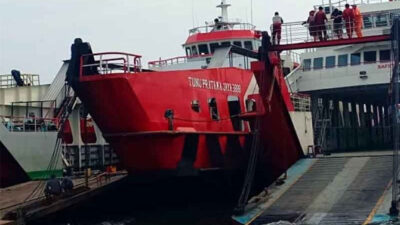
(193, 13)
(251, 11)
(224, 10)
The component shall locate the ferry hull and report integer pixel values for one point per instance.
(130, 111)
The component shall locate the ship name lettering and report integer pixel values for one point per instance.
(213, 85)
(384, 66)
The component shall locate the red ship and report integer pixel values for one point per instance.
(211, 110)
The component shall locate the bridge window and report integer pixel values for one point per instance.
(370, 56)
(318, 63)
(203, 49)
(343, 60)
(384, 55)
(234, 111)
(355, 59)
(188, 51)
(248, 45)
(194, 50)
(212, 103)
(381, 20)
(330, 61)
(367, 22)
(307, 64)
(237, 43)
(213, 46)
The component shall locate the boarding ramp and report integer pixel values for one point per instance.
(338, 189)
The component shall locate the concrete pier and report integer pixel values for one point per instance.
(14, 205)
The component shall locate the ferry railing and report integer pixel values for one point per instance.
(174, 60)
(301, 102)
(221, 26)
(341, 3)
(8, 81)
(301, 32)
(29, 124)
(167, 62)
(110, 63)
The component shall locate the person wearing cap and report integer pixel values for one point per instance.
(358, 21)
(320, 19)
(276, 28)
(348, 17)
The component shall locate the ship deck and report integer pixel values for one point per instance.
(347, 188)
(12, 201)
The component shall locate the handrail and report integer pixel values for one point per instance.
(301, 102)
(174, 60)
(289, 76)
(341, 3)
(29, 124)
(300, 32)
(109, 62)
(223, 26)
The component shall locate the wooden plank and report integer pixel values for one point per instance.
(14, 197)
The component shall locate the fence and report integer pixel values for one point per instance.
(110, 63)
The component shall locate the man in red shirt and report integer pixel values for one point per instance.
(319, 21)
(348, 16)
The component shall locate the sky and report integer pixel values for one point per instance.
(35, 35)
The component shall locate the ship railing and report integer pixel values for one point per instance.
(167, 62)
(301, 102)
(173, 61)
(341, 4)
(221, 26)
(29, 124)
(8, 81)
(294, 56)
(374, 24)
(110, 63)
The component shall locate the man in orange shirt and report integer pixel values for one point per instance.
(358, 21)
(348, 16)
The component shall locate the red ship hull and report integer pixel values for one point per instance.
(189, 120)
(130, 112)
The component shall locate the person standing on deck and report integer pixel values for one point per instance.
(358, 21)
(348, 16)
(311, 25)
(320, 19)
(337, 23)
(276, 28)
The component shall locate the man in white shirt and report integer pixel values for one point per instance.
(276, 28)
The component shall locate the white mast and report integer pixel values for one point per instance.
(224, 10)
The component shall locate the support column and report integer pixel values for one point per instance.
(75, 124)
(368, 120)
(336, 123)
(362, 139)
(346, 126)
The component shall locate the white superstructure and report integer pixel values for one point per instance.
(349, 66)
